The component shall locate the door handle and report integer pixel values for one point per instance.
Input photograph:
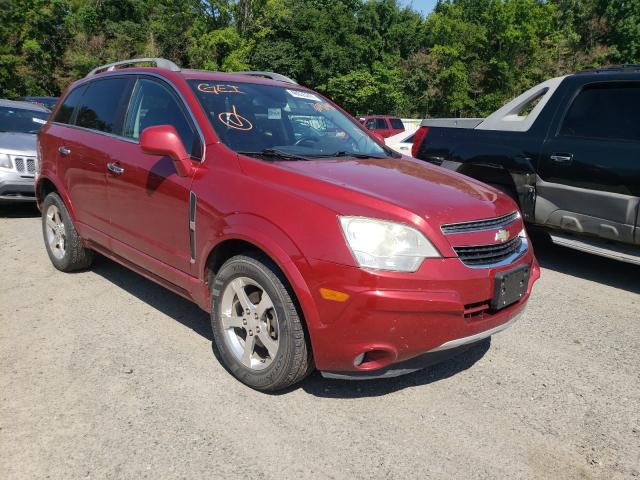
(64, 151)
(562, 157)
(115, 169)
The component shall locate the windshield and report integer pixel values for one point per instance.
(20, 120)
(294, 124)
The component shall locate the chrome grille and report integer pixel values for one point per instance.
(479, 225)
(26, 166)
(489, 254)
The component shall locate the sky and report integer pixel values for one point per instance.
(423, 6)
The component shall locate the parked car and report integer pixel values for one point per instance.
(309, 249)
(568, 150)
(401, 142)
(19, 123)
(47, 102)
(383, 125)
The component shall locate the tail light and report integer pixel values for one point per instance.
(418, 138)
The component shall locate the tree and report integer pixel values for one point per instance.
(373, 56)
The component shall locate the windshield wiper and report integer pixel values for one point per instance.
(344, 153)
(274, 153)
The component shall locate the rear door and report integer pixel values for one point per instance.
(148, 201)
(92, 115)
(590, 164)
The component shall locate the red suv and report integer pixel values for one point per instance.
(383, 126)
(311, 244)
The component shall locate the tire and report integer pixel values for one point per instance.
(265, 346)
(61, 239)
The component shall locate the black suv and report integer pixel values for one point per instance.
(568, 150)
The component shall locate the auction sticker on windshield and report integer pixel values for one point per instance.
(305, 95)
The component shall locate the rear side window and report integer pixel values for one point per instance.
(397, 124)
(605, 110)
(381, 124)
(65, 112)
(153, 104)
(101, 107)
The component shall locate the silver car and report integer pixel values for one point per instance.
(19, 124)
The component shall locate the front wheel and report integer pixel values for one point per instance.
(256, 325)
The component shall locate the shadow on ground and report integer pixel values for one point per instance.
(19, 210)
(167, 302)
(613, 273)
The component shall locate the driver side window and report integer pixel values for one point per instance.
(153, 104)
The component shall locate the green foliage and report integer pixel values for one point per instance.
(372, 56)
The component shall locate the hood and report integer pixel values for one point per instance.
(431, 192)
(18, 143)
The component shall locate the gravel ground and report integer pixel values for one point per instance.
(104, 374)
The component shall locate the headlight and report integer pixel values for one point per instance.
(5, 161)
(385, 245)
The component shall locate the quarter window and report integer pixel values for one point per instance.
(101, 105)
(605, 110)
(152, 104)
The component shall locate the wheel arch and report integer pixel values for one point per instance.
(45, 186)
(519, 185)
(246, 233)
(493, 175)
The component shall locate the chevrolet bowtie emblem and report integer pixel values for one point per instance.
(502, 236)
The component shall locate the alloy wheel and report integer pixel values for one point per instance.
(250, 323)
(56, 234)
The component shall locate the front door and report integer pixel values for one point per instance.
(148, 201)
(590, 164)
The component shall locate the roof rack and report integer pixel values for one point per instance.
(159, 62)
(270, 75)
(613, 68)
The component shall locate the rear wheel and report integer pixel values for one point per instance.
(63, 243)
(256, 324)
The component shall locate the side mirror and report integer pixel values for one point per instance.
(164, 140)
(378, 137)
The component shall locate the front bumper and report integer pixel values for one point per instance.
(393, 318)
(439, 354)
(15, 188)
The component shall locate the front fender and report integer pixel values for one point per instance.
(274, 242)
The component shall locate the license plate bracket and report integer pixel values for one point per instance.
(510, 286)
